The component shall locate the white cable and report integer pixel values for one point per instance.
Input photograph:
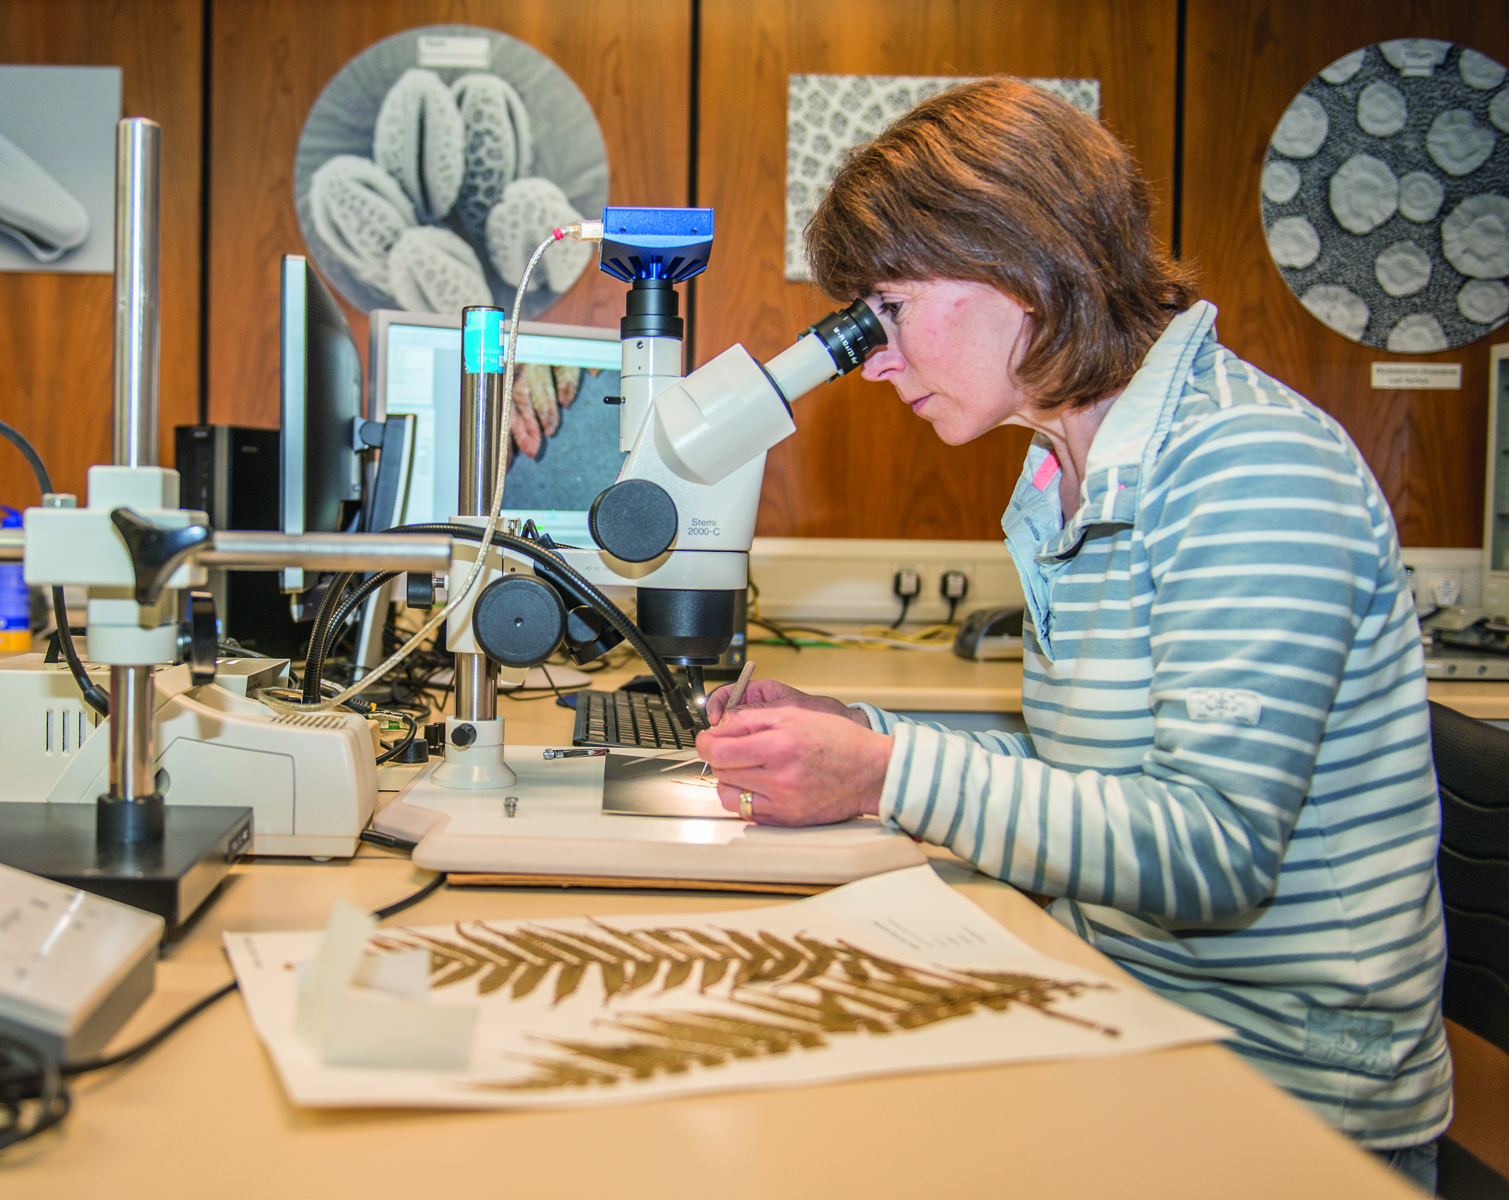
(460, 594)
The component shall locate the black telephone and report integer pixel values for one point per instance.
(990, 633)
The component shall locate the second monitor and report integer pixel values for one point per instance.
(564, 444)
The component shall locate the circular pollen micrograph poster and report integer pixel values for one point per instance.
(1385, 196)
(435, 162)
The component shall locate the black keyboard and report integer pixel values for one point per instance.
(628, 719)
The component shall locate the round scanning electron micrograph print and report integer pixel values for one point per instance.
(1385, 196)
(436, 161)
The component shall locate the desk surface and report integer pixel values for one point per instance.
(204, 1113)
(928, 681)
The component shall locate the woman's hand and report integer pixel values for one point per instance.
(803, 767)
(767, 693)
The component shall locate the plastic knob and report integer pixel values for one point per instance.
(419, 590)
(463, 736)
(634, 520)
(202, 642)
(415, 752)
(156, 552)
(519, 621)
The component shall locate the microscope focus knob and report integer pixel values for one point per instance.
(634, 520)
(519, 620)
(199, 641)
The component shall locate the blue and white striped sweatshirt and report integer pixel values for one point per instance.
(1228, 780)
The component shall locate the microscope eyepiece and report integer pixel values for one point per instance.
(851, 334)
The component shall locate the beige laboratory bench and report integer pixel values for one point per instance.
(926, 681)
(204, 1114)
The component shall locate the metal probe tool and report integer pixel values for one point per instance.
(738, 694)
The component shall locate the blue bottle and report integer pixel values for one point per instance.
(15, 600)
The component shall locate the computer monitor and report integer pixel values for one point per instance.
(415, 368)
(320, 465)
(1496, 514)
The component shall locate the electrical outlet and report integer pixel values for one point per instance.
(837, 580)
(954, 580)
(1442, 584)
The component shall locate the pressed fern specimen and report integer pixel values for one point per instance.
(785, 994)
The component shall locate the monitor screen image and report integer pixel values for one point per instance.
(565, 447)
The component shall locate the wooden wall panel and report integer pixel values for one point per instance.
(1245, 63)
(861, 465)
(271, 59)
(57, 330)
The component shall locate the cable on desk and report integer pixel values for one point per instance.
(782, 633)
(931, 638)
(429, 889)
(386, 840)
(33, 1096)
(149, 1043)
(33, 1085)
(404, 742)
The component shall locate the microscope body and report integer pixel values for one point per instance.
(678, 523)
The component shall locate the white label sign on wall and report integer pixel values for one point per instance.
(1417, 376)
(440, 51)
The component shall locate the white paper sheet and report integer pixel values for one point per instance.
(909, 918)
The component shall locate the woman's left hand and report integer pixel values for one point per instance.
(803, 767)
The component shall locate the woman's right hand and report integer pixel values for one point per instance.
(768, 693)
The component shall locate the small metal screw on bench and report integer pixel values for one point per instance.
(510, 805)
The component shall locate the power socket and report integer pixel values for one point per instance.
(907, 583)
(953, 584)
(838, 581)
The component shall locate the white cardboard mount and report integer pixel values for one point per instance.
(350, 1025)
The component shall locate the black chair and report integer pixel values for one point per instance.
(1472, 770)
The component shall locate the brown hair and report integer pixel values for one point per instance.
(1000, 182)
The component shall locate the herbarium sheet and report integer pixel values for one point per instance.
(896, 973)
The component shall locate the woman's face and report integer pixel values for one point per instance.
(952, 355)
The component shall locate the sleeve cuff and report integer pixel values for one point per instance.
(913, 793)
(880, 720)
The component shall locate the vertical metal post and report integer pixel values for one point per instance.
(132, 812)
(132, 774)
(476, 688)
(138, 209)
(481, 428)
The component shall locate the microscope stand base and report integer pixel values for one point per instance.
(558, 827)
(200, 844)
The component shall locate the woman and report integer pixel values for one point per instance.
(1228, 780)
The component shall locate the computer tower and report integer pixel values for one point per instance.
(231, 473)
